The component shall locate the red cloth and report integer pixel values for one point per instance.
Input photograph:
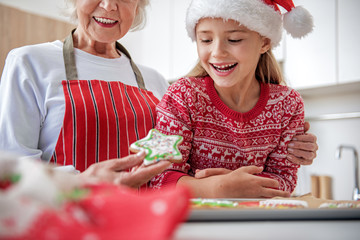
(216, 136)
(111, 212)
(101, 120)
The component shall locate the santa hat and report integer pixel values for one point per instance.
(262, 16)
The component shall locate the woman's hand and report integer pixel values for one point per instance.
(240, 183)
(302, 148)
(116, 170)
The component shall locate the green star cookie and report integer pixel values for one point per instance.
(158, 147)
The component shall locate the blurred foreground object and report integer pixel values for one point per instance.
(38, 202)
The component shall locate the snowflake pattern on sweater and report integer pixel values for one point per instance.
(216, 136)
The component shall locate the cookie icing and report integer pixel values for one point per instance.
(158, 147)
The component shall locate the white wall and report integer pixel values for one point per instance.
(163, 44)
(47, 8)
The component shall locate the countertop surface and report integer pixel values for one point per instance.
(277, 224)
(277, 230)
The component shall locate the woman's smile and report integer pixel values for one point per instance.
(105, 22)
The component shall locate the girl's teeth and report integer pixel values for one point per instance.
(224, 68)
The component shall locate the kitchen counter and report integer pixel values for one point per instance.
(256, 230)
(263, 223)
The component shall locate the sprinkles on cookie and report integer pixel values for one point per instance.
(158, 147)
(283, 203)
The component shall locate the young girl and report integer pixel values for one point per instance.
(232, 110)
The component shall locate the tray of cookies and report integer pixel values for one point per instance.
(277, 209)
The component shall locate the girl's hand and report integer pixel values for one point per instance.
(117, 170)
(207, 172)
(240, 183)
(243, 183)
(302, 148)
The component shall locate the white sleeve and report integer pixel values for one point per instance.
(161, 86)
(20, 116)
(154, 81)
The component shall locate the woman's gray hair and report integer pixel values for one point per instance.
(139, 20)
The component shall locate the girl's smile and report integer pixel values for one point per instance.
(223, 69)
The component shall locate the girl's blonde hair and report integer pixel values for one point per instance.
(139, 21)
(267, 70)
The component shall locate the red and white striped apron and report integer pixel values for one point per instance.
(101, 118)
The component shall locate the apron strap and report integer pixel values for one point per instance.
(69, 58)
(138, 76)
(70, 66)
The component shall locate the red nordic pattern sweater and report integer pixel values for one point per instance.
(215, 136)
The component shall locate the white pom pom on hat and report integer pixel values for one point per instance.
(262, 16)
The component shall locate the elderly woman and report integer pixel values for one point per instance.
(83, 101)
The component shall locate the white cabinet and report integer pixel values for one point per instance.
(311, 61)
(349, 40)
(330, 55)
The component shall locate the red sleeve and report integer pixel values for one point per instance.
(165, 179)
(174, 118)
(278, 167)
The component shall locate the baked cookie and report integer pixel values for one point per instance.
(283, 203)
(340, 205)
(212, 203)
(158, 147)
